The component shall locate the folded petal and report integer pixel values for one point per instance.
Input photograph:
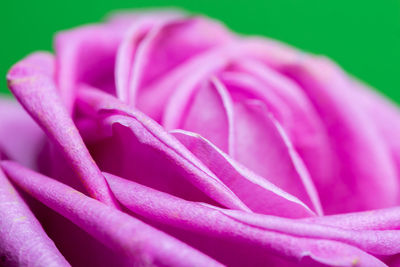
(384, 114)
(170, 44)
(210, 114)
(290, 106)
(355, 141)
(87, 55)
(115, 229)
(20, 137)
(23, 241)
(197, 222)
(32, 83)
(165, 100)
(262, 145)
(256, 192)
(136, 142)
(382, 219)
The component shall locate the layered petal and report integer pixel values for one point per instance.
(355, 142)
(233, 232)
(210, 114)
(31, 81)
(20, 137)
(23, 242)
(256, 192)
(167, 44)
(262, 145)
(145, 143)
(87, 55)
(384, 115)
(129, 236)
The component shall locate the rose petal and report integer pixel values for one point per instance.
(262, 145)
(384, 115)
(385, 242)
(256, 192)
(152, 144)
(356, 143)
(211, 115)
(165, 100)
(383, 219)
(34, 88)
(205, 220)
(169, 45)
(87, 55)
(22, 239)
(115, 229)
(292, 109)
(20, 137)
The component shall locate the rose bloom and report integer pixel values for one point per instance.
(157, 139)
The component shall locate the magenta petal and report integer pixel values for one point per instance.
(23, 241)
(31, 82)
(283, 237)
(170, 44)
(160, 147)
(20, 137)
(384, 115)
(165, 99)
(383, 242)
(129, 55)
(211, 115)
(383, 219)
(87, 55)
(115, 229)
(256, 192)
(356, 143)
(262, 145)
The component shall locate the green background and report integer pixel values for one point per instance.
(362, 36)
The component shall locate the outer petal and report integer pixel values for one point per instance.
(20, 137)
(383, 219)
(31, 82)
(256, 192)
(384, 115)
(231, 235)
(87, 55)
(171, 44)
(22, 239)
(151, 144)
(356, 143)
(121, 232)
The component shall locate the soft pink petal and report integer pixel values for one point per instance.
(131, 54)
(115, 229)
(381, 219)
(377, 242)
(87, 55)
(171, 44)
(362, 161)
(289, 104)
(22, 239)
(210, 114)
(256, 192)
(262, 146)
(20, 137)
(145, 143)
(384, 114)
(159, 99)
(287, 238)
(33, 86)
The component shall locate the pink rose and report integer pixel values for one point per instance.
(168, 140)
